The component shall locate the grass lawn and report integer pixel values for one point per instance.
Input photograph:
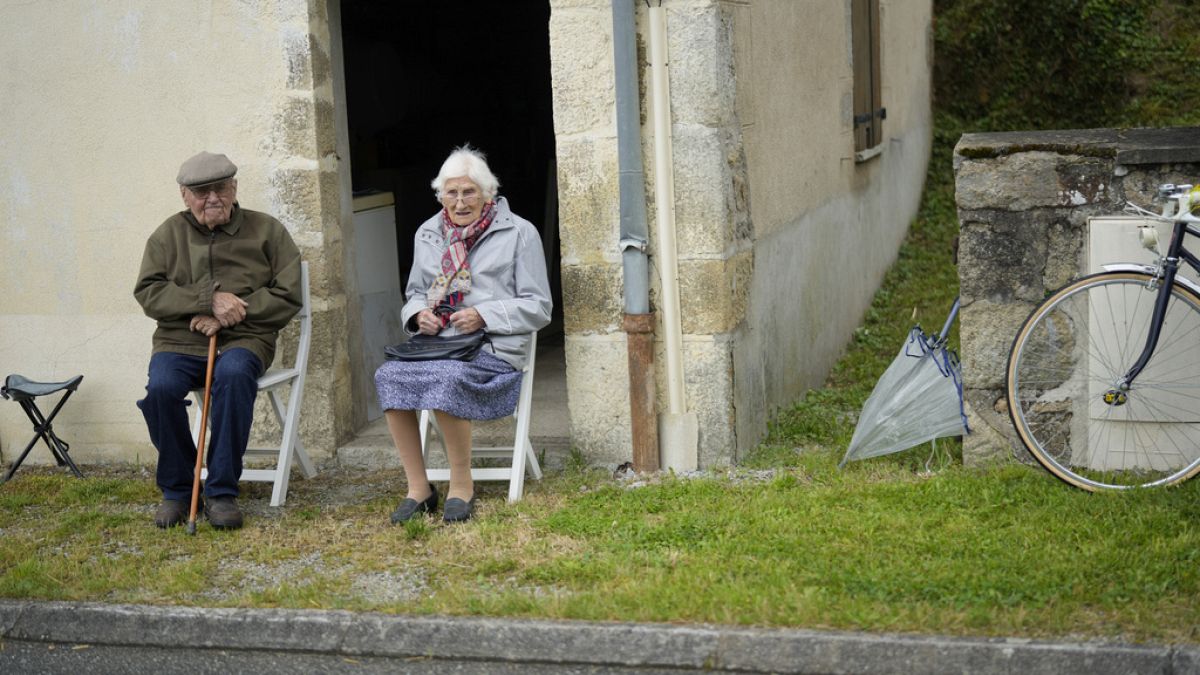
(784, 540)
(881, 547)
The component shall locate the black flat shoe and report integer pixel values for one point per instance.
(411, 507)
(458, 510)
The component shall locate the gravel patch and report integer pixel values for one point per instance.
(626, 477)
(239, 577)
(390, 587)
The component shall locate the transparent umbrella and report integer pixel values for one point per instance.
(918, 399)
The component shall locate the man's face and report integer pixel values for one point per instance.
(211, 204)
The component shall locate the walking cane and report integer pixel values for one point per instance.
(212, 356)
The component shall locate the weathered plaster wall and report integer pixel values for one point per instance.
(103, 100)
(1024, 199)
(825, 228)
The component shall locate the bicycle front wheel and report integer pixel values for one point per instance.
(1065, 372)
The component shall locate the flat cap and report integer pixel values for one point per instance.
(205, 168)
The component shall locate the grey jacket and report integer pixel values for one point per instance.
(509, 287)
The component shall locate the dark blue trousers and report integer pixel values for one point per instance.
(234, 388)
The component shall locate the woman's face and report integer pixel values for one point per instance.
(463, 200)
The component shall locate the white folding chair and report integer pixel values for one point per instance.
(289, 420)
(520, 452)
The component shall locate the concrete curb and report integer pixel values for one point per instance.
(570, 643)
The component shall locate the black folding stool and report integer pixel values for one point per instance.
(24, 391)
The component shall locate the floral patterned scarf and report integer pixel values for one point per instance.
(447, 291)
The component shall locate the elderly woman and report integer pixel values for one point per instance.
(476, 265)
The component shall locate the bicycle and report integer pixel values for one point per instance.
(1103, 378)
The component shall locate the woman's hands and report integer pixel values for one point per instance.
(428, 323)
(466, 320)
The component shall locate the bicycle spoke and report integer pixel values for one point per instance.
(1079, 345)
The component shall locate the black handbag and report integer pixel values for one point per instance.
(421, 347)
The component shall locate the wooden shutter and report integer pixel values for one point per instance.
(869, 112)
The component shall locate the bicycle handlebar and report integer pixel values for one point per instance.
(1181, 200)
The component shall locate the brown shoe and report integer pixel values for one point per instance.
(223, 513)
(172, 512)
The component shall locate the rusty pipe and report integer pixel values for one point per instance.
(639, 344)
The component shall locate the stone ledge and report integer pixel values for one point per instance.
(1125, 146)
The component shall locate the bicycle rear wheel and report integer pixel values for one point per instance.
(1064, 370)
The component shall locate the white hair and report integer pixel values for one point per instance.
(469, 162)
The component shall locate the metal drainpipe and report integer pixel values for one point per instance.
(639, 321)
(678, 428)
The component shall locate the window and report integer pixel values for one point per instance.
(869, 112)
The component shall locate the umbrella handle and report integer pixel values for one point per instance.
(949, 320)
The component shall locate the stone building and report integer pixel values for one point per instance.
(1024, 202)
(797, 168)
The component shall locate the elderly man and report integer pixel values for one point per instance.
(214, 268)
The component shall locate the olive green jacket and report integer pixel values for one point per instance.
(251, 256)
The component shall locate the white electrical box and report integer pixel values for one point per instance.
(379, 292)
(1135, 433)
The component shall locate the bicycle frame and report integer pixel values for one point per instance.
(1168, 268)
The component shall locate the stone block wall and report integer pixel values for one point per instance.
(712, 220)
(1024, 199)
(303, 190)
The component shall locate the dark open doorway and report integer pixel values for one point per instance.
(420, 79)
(425, 77)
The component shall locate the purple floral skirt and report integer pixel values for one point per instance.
(486, 388)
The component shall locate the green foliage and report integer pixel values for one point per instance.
(1062, 64)
(576, 461)
(1038, 63)
(98, 491)
(417, 529)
